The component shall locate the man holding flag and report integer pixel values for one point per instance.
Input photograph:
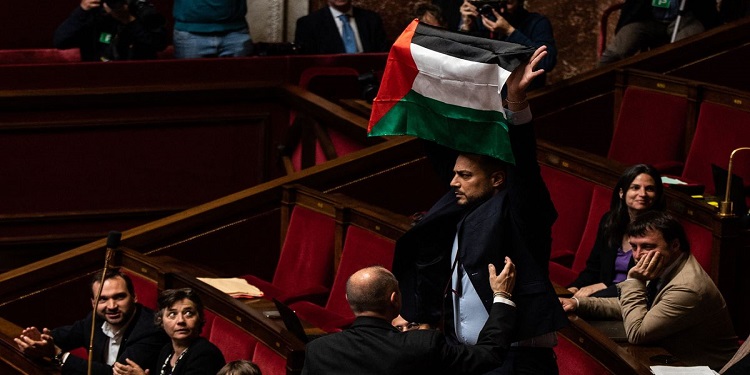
(445, 87)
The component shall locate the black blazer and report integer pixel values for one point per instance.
(516, 222)
(201, 358)
(141, 343)
(317, 33)
(373, 346)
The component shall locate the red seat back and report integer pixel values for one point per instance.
(720, 130)
(650, 128)
(600, 200)
(146, 289)
(269, 362)
(362, 248)
(701, 243)
(572, 197)
(234, 342)
(306, 258)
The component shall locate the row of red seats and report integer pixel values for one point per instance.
(303, 277)
(656, 120)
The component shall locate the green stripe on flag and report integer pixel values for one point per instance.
(460, 128)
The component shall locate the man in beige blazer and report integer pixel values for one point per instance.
(684, 312)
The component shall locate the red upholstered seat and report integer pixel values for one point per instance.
(362, 248)
(234, 342)
(572, 360)
(306, 261)
(650, 129)
(146, 289)
(571, 196)
(209, 317)
(701, 243)
(600, 199)
(269, 362)
(720, 129)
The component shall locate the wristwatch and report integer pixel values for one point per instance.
(58, 360)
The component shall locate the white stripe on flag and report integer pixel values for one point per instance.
(456, 81)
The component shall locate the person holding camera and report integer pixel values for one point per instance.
(107, 30)
(509, 21)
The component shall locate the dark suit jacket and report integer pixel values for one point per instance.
(516, 222)
(201, 358)
(373, 346)
(317, 33)
(141, 343)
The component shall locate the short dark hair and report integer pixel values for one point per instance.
(376, 295)
(169, 297)
(424, 7)
(111, 273)
(666, 224)
(240, 367)
(487, 164)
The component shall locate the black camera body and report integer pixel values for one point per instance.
(485, 7)
(135, 7)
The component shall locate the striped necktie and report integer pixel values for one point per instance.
(350, 45)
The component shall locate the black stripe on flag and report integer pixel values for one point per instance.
(472, 48)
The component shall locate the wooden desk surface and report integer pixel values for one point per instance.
(12, 361)
(263, 305)
(358, 106)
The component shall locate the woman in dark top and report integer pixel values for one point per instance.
(181, 316)
(638, 190)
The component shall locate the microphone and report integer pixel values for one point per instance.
(726, 208)
(113, 242)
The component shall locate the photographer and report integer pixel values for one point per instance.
(509, 21)
(108, 30)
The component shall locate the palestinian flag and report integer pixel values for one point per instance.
(445, 87)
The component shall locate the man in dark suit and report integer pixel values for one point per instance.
(324, 31)
(494, 210)
(373, 346)
(124, 329)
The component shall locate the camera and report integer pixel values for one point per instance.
(485, 7)
(134, 6)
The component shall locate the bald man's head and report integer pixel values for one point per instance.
(370, 291)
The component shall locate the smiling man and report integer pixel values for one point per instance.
(125, 329)
(667, 299)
